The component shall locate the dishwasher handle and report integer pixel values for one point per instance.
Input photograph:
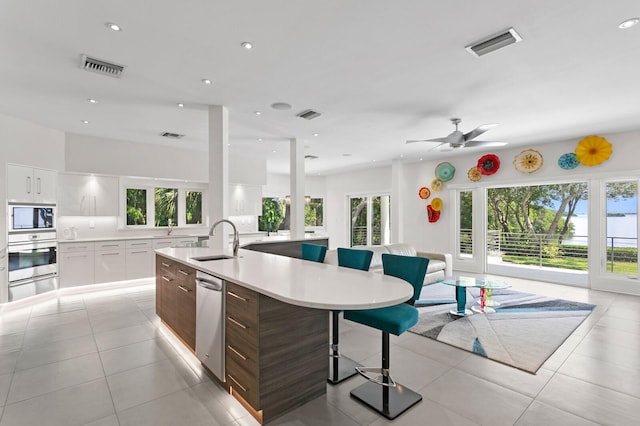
(209, 284)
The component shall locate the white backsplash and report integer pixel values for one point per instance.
(107, 227)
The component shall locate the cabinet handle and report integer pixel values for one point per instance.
(110, 254)
(110, 245)
(139, 252)
(39, 185)
(183, 272)
(236, 382)
(166, 265)
(235, 351)
(239, 324)
(166, 279)
(186, 290)
(138, 244)
(28, 184)
(232, 294)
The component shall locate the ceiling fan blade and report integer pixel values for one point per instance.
(478, 131)
(428, 140)
(475, 144)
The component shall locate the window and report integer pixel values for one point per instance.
(543, 226)
(370, 220)
(147, 204)
(193, 207)
(313, 211)
(622, 227)
(465, 236)
(136, 206)
(166, 206)
(278, 211)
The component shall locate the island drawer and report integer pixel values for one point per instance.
(165, 266)
(242, 381)
(242, 306)
(186, 276)
(243, 349)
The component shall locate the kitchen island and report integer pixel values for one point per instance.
(276, 323)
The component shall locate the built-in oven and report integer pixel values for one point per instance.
(32, 263)
(31, 217)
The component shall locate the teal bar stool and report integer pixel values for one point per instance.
(381, 392)
(313, 252)
(342, 367)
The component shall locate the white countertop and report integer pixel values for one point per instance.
(299, 282)
(121, 238)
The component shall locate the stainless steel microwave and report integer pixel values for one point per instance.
(31, 217)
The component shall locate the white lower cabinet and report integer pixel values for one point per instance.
(82, 263)
(139, 259)
(109, 261)
(75, 264)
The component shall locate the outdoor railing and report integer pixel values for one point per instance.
(548, 250)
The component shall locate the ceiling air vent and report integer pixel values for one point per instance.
(172, 135)
(101, 67)
(310, 157)
(494, 43)
(308, 114)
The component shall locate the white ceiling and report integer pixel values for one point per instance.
(380, 71)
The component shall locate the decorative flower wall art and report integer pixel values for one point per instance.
(568, 161)
(424, 192)
(474, 174)
(445, 171)
(437, 184)
(528, 161)
(488, 164)
(593, 150)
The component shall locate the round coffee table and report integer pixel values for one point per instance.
(461, 283)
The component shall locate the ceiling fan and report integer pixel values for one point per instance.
(457, 139)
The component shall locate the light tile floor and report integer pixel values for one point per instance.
(104, 358)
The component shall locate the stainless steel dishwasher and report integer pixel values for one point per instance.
(210, 323)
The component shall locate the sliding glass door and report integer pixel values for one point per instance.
(370, 220)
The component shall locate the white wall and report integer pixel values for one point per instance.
(89, 154)
(279, 185)
(437, 236)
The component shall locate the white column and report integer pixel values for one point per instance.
(296, 161)
(397, 184)
(218, 173)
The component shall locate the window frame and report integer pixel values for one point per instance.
(150, 186)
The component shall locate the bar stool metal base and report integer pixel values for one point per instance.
(341, 368)
(386, 400)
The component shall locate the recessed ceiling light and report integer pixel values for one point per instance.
(86, 121)
(247, 45)
(316, 134)
(274, 151)
(259, 139)
(401, 155)
(180, 105)
(421, 159)
(207, 81)
(92, 101)
(112, 26)
(281, 106)
(629, 23)
(257, 112)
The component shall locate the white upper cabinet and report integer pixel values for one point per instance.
(87, 195)
(31, 185)
(245, 200)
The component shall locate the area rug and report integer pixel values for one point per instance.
(524, 332)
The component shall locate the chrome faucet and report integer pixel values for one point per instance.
(236, 238)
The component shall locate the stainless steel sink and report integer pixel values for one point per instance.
(214, 257)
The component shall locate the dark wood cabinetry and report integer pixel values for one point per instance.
(176, 298)
(276, 353)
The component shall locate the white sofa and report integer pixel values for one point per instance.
(440, 264)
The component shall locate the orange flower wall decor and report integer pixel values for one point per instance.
(593, 150)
